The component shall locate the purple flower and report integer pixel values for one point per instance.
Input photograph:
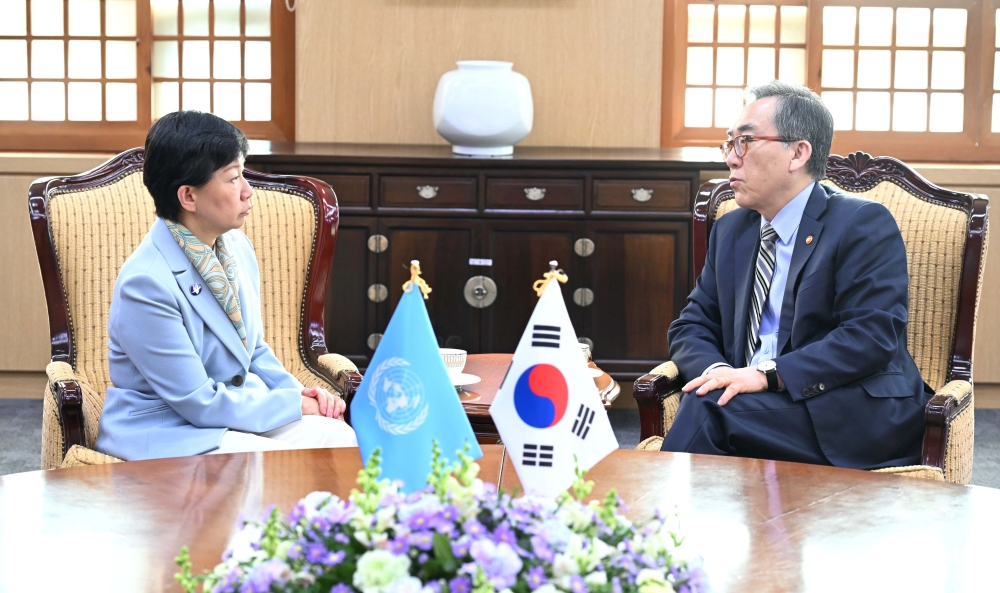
(616, 585)
(398, 546)
(341, 538)
(450, 513)
(422, 539)
(460, 547)
(316, 552)
(474, 528)
(499, 561)
(341, 588)
(536, 577)
(432, 587)
(295, 551)
(459, 585)
(263, 575)
(503, 533)
(542, 549)
(423, 558)
(576, 584)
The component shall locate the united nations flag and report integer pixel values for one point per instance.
(406, 399)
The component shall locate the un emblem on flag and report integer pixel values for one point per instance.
(397, 394)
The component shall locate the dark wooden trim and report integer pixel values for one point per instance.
(649, 392)
(69, 401)
(859, 172)
(938, 415)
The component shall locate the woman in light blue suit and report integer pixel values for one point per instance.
(190, 369)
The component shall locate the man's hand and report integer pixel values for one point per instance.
(734, 381)
(320, 402)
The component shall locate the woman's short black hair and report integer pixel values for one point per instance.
(187, 148)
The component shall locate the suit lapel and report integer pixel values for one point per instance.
(204, 302)
(744, 261)
(809, 226)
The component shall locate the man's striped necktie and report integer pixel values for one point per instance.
(761, 286)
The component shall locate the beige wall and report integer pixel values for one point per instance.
(366, 70)
(24, 334)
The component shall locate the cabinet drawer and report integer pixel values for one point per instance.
(639, 194)
(429, 192)
(535, 194)
(353, 191)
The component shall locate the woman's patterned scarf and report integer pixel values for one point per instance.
(218, 268)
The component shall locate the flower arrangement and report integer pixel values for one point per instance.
(457, 535)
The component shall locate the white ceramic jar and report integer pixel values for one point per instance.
(484, 108)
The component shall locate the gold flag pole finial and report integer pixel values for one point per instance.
(416, 279)
(552, 274)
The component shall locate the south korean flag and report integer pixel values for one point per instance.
(548, 408)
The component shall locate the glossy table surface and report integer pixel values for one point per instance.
(760, 525)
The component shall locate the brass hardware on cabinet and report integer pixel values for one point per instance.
(378, 243)
(583, 247)
(377, 293)
(583, 297)
(427, 191)
(373, 340)
(534, 193)
(480, 291)
(642, 194)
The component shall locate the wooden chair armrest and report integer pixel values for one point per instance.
(343, 375)
(947, 403)
(69, 401)
(649, 392)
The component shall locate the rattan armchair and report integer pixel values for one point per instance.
(85, 226)
(945, 237)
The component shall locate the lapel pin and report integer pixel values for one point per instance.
(196, 288)
(809, 239)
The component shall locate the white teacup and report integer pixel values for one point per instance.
(454, 360)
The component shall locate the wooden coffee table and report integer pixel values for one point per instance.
(760, 525)
(492, 369)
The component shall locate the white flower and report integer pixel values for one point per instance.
(650, 580)
(243, 541)
(596, 579)
(312, 501)
(385, 518)
(377, 570)
(564, 565)
(547, 588)
(406, 585)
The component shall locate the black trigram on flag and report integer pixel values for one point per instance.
(537, 455)
(546, 336)
(584, 418)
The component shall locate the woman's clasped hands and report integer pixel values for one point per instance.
(317, 401)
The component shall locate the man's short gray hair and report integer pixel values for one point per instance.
(800, 115)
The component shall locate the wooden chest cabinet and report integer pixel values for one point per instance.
(484, 229)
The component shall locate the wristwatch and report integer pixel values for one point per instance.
(770, 370)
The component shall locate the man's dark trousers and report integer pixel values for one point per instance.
(763, 425)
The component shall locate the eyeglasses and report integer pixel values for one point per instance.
(741, 143)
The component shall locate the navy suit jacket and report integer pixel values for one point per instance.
(842, 332)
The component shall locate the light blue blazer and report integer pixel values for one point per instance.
(180, 373)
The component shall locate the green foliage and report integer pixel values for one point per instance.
(188, 581)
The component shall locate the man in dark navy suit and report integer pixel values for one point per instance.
(793, 342)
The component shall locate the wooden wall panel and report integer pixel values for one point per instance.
(367, 69)
(24, 335)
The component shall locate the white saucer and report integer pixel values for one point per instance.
(462, 379)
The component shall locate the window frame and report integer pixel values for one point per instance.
(120, 135)
(974, 144)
